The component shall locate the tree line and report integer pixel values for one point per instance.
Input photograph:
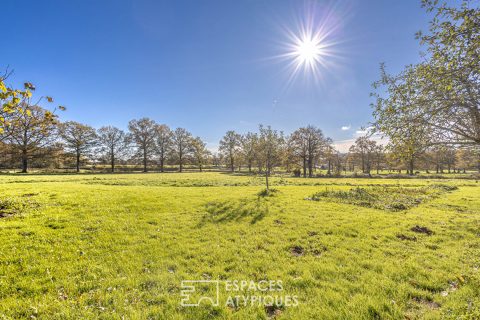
(34, 136)
(429, 115)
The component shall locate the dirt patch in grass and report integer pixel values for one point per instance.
(429, 304)
(297, 251)
(420, 229)
(405, 237)
(383, 198)
(273, 311)
(314, 250)
(12, 206)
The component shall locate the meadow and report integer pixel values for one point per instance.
(102, 246)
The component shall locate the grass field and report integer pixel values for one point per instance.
(118, 246)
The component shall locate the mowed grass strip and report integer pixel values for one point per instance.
(106, 250)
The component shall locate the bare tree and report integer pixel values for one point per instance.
(299, 145)
(78, 138)
(143, 135)
(200, 152)
(182, 145)
(364, 149)
(379, 153)
(163, 140)
(113, 143)
(248, 143)
(308, 144)
(229, 146)
(270, 143)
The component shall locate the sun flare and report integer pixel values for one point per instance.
(308, 51)
(312, 45)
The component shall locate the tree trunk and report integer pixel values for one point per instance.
(310, 167)
(304, 167)
(113, 162)
(78, 161)
(162, 160)
(232, 168)
(145, 159)
(266, 177)
(410, 165)
(24, 161)
(180, 162)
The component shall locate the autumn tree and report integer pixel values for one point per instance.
(364, 149)
(299, 147)
(379, 156)
(78, 139)
(331, 157)
(30, 129)
(15, 103)
(248, 145)
(308, 142)
(269, 148)
(468, 157)
(182, 146)
(113, 143)
(23, 122)
(200, 152)
(163, 143)
(229, 146)
(143, 136)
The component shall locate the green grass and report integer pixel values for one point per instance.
(113, 246)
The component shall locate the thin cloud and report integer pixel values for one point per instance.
(363, 131)
(346, 128)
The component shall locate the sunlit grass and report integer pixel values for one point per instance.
(107, 246)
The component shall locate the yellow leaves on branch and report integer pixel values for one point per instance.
(29, 86)
(15, 104)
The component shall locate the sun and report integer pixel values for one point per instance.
(308, 52)
(312, 43)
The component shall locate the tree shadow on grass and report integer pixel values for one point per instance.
(235, 210)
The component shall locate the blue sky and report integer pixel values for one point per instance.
(207, 65)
